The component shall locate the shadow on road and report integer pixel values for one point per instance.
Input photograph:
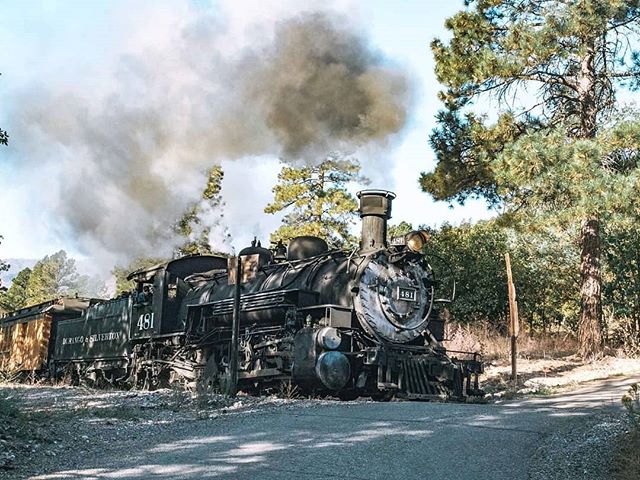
(354, 441)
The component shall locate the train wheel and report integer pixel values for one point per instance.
(348, 395)
(210, 379)
(382, 396)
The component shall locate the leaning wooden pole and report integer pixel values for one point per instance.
(232, 387)
(514, 324)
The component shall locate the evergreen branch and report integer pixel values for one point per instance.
(630, 20)
(619, 75)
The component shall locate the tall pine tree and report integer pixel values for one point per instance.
(54, 276)
(317, 201)
(16, 295)
(554, 68)
(192, 225)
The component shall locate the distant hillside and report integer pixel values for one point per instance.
(17, 264)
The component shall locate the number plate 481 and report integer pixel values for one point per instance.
(145, 322)
(407, 294)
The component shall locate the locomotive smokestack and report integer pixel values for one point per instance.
(375, 210)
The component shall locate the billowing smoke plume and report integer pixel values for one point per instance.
(125, 165)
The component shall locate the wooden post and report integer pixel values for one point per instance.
(514, 324)
(232, 387)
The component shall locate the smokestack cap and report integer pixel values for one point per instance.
(376, 202)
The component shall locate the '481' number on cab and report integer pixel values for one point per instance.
(145, 322)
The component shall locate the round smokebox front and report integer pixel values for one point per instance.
(391, 302)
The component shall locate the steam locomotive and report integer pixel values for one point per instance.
(345, 323)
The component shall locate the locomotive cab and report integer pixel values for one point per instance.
(160, 290)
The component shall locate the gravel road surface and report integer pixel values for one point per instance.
(561, 436)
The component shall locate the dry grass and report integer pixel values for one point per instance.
(495, 346)
(546, 363)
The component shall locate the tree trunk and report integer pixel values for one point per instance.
(587, 94)
(589, 330)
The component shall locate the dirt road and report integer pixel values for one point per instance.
(539, 438)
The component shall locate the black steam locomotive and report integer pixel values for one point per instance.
(347, 323)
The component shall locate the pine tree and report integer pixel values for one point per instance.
(317, 201)
(53, 276)
(16, 296)
(191, 226)
(554, 68)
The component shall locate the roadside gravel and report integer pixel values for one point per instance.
(580, 453)
(70, 427)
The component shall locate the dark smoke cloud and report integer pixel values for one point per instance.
(128, 162)
(321, 86)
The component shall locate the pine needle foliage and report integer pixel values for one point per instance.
(317, 201)
(191, 225)
(544, 271)
(53, 276)
(550, 151)
(16, 295)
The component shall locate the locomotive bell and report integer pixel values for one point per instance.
(375, 210)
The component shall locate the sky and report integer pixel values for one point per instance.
(59, 57)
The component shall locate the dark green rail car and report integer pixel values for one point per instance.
(96, 342)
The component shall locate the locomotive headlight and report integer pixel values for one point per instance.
(416, 241)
